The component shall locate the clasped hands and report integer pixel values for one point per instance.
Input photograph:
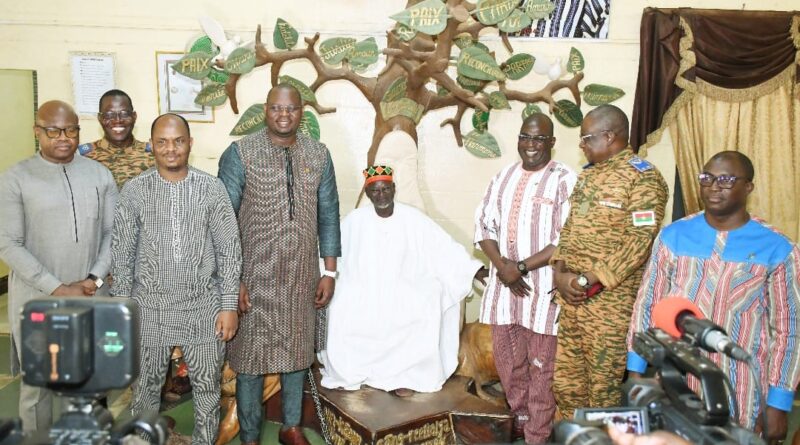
(85, 288)
(511, 277)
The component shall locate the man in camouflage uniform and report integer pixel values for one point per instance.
(118, 150)
(616, 208)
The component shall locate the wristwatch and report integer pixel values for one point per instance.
(583, 281)
(97, 280)
(330, 273)
(521, 267)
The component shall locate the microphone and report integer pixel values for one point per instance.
(680, 317)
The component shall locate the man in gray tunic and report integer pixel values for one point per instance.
(283, 187)
(176, 252)
(56, 216)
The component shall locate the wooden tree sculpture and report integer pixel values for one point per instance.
(419, 54)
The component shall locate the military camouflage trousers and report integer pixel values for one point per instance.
(590, 359)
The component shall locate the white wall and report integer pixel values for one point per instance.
(39, 34)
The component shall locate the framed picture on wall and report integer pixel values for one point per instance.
(176, 92)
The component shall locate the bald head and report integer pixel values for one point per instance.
(285, 88)
(57, 131)
(611, 118)
(55, 109)
(171, 116)
(541, 120)
(171, 143)
(738, 159)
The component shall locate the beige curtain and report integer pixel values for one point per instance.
(766, 128)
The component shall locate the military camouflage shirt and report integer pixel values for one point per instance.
(124, 163)
(616, 210)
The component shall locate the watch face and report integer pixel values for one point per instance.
(521, 267)
(582, 281)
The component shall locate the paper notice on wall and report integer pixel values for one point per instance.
(92, 75)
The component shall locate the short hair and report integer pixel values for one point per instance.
(114, 93)
(612, 118)
(183, 119)
(286, 86)
(739, 158)
(538, 117)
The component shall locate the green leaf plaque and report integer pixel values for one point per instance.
(251, 121)
(518, 66)
(335, 49)
(397, 90)
(429, 17)
(575, 61)
(595, 94)
(497, 100)
(217, 75)
(480, 120)
(404, 33)
(568, 113)
(470, 84)
(538, 9)
(309, 125)
(195, 65)
(203, 44)
(305, 92)
(365, 53)
(211, 95)
(240, 61)
(492, 12)
(530, 109)
(284, 36)
(475, 63)
(481, 144)
(402, 107)
(516, 21)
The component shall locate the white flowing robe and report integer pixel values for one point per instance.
(393, 320)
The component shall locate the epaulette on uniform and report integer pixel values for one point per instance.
(85, 148)
(640, 164)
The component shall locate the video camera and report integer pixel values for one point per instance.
(668, 403)
(80, 348)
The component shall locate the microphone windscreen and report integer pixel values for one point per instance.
(667, 311)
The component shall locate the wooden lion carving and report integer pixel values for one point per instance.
(476, 359)
(229, 423)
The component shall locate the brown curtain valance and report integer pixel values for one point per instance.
(713, 51)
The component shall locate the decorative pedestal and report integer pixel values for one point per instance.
(370, 416)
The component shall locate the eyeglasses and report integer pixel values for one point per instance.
(54, 132)
(536, 140)
(586, 137)
(281, 108)
(116, 115)
(723, 181)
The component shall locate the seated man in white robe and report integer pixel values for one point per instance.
(393, 320)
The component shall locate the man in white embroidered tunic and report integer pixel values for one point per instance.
(517, 225)
(393, 323)
(176, 252)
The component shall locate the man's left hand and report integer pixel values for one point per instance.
(324, 292)
(777, 424)
(89, 288)
(226, 325)
(481, 275)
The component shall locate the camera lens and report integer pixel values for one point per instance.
(570, 432)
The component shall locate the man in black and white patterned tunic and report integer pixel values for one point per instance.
(176, 251)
